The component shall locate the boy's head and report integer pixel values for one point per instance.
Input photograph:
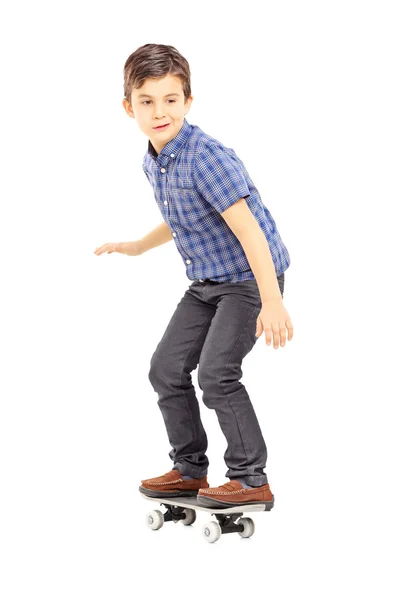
(157, 91)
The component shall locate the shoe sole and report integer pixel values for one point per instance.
(170, 494)
(212, 503)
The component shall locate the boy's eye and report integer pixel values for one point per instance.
(148, 101)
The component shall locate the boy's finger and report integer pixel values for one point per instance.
(289, 328)
(282, 333)
(275, 331)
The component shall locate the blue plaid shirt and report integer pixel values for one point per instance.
(194, 179)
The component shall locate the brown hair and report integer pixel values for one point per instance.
(155, 60)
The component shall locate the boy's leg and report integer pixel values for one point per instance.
(230, 338)
(176, 355)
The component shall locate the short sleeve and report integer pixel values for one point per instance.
(219, 177)
(146, 173)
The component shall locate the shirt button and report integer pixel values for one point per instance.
(162, 170)
(172, 155)
(174, 234)
(165, 202)
(188, 262)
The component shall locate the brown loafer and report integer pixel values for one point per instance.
(172, 485)
(234, 494)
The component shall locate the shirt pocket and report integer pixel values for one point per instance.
(180, 182)
(188, 209)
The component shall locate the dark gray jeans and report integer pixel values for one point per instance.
(213, 327)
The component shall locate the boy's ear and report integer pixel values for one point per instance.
(128, 108)
(188, 103)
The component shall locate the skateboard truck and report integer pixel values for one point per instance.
(227, 523)
(174, 513)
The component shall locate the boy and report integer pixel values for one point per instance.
(236, 260)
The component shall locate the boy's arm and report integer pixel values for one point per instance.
(244, 225)
(160, 235)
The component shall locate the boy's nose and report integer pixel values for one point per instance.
(158, 112)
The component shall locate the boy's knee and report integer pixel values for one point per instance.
(218, 379)
(155, 372)
(163, 372)
(208, 378)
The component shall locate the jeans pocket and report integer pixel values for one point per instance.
(252, 283)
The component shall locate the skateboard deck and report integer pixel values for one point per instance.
(184, 509)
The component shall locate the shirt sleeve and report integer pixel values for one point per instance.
(219, 178)
(146, 173)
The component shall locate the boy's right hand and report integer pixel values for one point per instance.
(129, 248)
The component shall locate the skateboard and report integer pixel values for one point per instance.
(183, 509)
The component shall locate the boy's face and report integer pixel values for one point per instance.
(159, 102)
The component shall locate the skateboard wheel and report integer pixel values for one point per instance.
(212, 531)
(248, 527)
(190, 516)
(155, 519)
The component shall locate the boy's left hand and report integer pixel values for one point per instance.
(274, 319)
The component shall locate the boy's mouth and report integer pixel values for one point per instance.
(162, 127)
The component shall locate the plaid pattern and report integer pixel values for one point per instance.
(194, 179)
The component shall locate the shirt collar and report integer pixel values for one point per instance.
(174, 146)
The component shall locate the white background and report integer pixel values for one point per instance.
(307, 93)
